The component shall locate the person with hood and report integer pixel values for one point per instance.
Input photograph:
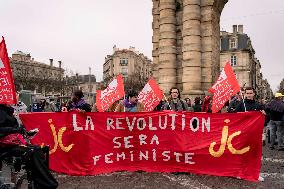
(276, 111)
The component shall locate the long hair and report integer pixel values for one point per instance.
(171, 92)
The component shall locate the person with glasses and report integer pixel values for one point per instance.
(175, 103)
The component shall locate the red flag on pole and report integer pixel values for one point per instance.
(7, 87)
(150, 95)
(226, 86)
(112, 93)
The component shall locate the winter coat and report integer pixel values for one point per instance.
(120, 107)
(181, 105)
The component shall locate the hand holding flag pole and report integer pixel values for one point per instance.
(243, 98)
(7, 87)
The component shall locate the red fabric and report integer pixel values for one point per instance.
(206, 104)
(7, 87)
(75, 139)
(112, 93)
(13, 139)
(226, 86)
(151, 95)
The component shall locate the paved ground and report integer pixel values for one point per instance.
(272, 171)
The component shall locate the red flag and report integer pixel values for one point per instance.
(150, 95)
(7, 87)
(112, 93)
(226, 86)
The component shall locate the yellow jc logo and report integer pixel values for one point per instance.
(225, 140)
(58, 139)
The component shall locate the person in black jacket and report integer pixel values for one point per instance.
(236, 100)
(78, 103)
(8, 123)
(276, 111)
(249, 103)
(35, 162)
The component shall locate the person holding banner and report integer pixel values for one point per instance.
(175, 102)
(249, 103)
(131, 104)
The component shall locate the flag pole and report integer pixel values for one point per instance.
(243, 98)
(123, 102)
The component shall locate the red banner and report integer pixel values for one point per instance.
(226, 86)
(151, 95)
(94, 143)
(112, 93)
(7, 87)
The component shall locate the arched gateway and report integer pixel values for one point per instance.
(186, 40)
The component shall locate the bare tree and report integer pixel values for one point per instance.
(135, 81)
(281, 87)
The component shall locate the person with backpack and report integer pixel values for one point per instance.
(175, 103)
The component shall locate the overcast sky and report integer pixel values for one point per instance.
(81, 33)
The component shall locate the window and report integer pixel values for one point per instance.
(123, 61)
(233, 43)
(233, 60)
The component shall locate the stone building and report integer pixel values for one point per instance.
(186, 39)
(37, 76)
(126, 62)
(236, 48)
(267, 92)
(86, 83)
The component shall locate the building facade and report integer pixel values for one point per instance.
(36, 76)
(186, 39)
(127, 62)
(236, 48)
(86, 83)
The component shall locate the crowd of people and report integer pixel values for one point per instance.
(242, 102)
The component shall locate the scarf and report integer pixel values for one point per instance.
(80, 103)
(128, 104)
